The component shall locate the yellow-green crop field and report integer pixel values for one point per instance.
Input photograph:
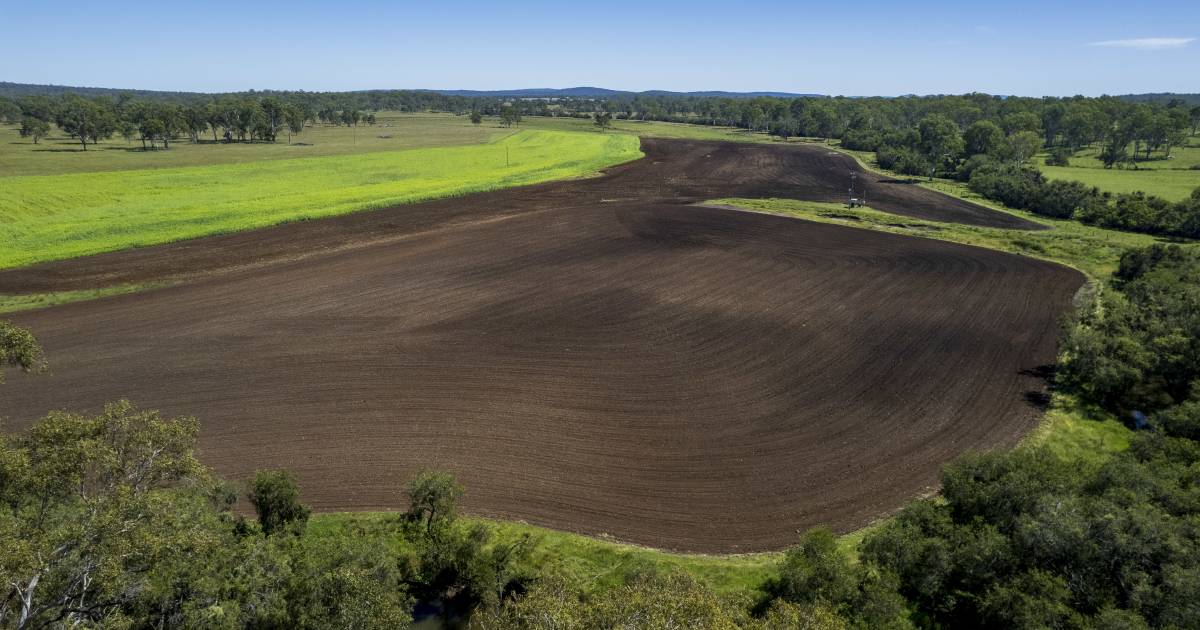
(45, 218)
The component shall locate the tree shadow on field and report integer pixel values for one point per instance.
(60, 150)
(1040, 398)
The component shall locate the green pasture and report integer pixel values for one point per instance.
(1182, 158)
(1170, 184)
(45, 218)
(1172, 178)
(392, 131)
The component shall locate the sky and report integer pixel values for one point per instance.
(1018, 47)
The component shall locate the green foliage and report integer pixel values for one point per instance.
(816, 570)
(648, 602)
(941, 141)
(818, 573)
(1059, 156)
(1026, 540)
(509, 116)
(86, 120)
(433, 498)
(1027, 189)
(19, 348)
(110, 521)
(903, 160)
(983, 137)
(1139, 350)
(602, 120)
(275, 496)
(1023, 145)
(89, 505)
(463, 565)
(34, 128)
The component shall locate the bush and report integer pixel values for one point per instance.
(1141, 350)
(1009, 184)
(903, 160)
(1059, 156)
(1024, 539)
(276, 497)
(861, 139)
(1063, 199)
(968, 166)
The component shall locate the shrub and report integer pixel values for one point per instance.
(861, 139)
(276, 497)
(1062, 199)
(1059, 156)
(903, 160)
(1011, 185)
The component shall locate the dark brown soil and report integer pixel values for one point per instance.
(593, 356)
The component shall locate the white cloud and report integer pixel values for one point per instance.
(1146, 43)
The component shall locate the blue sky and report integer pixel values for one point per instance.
(866, 48)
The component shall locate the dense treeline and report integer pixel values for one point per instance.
(247, 119)
(1027, 189)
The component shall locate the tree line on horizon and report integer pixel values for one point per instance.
(985, 141)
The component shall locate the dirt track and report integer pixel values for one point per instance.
(593, 356)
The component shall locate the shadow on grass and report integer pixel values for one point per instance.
(1040, 398)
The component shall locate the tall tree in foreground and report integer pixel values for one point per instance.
(109, 521)
(84, 519)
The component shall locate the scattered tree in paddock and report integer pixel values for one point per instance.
(86, 120)
(509, 116)
(34, 128)
(603, 120)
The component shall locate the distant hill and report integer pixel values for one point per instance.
(597, 92)
(12, 90)
(24, 89)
